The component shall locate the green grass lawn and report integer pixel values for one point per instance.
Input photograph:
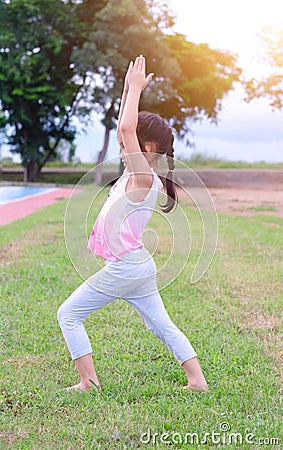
(233, 317)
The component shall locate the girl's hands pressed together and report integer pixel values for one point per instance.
(136, 77)
(126, 81)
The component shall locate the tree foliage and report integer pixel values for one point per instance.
(122, 30)
(38, 91)
(197, 87)
(190, 80)
(270, 87)
(64, 58)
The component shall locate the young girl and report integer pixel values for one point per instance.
(129, 271)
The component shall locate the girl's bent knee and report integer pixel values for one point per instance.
(67, 317)
(61, 315)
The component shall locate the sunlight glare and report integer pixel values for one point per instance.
(227, 25)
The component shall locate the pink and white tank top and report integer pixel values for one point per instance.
(119, 226)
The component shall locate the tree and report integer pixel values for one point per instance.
(122, 30)
(190, 80)
(204, 77)
(38, 91)
(60, 58)
(270, 87)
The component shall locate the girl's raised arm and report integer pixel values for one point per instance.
(122, 105)
(137, 81)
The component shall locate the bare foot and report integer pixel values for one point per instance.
(78, 387)
(198, 386)
(84, 387)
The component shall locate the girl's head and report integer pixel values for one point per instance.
(153, 129)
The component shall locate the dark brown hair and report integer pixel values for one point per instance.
(152, 128)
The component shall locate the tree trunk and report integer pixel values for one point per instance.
(30, 172)
(25, 175)
(101, 156)
(49, 153)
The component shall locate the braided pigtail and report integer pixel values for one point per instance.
(172, 198)
(152, 128)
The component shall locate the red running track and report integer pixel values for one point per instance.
(22, 208)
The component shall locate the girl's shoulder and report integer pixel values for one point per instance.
(122, 182)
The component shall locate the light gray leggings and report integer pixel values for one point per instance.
(87, 298)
